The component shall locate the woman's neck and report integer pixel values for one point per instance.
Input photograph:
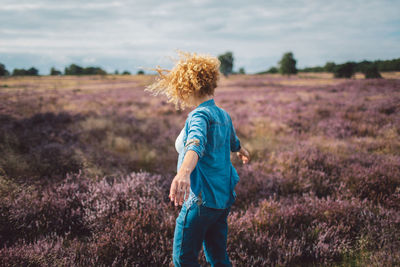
(198, 101)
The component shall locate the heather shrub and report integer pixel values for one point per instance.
(305, 230)
(109, 197)
(130, 144)
(374, 177)
(49, 250)
(53, 144)
(38, 146)
(55, 208)
(299, 124)
(335, 127)
(77, 205)
(86, 164)
(255, 185)
(307, 169)
(138, 237)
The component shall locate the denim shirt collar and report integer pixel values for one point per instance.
(209, 102)
(206, 103)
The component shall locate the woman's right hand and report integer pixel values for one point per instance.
(243, 155)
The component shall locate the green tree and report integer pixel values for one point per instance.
(32, 71)
(273, 70)
(371, 72)
(19, 72)
(242, 71)
(363, 65)
(140, 72)
(226, 63)
(329, 66)
(3, 70)
(345, 70)
(313, 69)
(73, 69)
(388, 65)
(23, 72)
(287, 65)
(126, 72)
(54, 71)
(94, 71)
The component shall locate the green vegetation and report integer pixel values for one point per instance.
(371, 72)
(346, 70)
(287, 65)
(226, 63)
(3, 70)
(23, 72)
(330, 66)
(53, 71)
(74, 69)
(362, 66)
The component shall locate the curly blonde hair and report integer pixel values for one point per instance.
(193, 75)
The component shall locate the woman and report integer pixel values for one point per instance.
(205, 180)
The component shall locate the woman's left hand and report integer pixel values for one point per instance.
(180, 184)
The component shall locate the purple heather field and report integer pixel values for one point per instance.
(86, 163)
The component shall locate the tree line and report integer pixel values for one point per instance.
(72, 69)
(370, 69)
(287, 66)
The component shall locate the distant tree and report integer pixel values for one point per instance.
(382, 65)
(3, 70)
(140, 72)
(22, 72)
(371, 72)
(126, 72)
(94, 71)
(363, 65)
(345, 70)
(19, 72)
(116, 72)
(226, 63)
(287, 65)
(242, 71)
(54, 71)
(312, 69)
(273, 70)
(32, 71)
(388, 65)
(73, 69)
(329, 66)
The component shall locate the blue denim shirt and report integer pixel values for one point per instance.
(210, 133)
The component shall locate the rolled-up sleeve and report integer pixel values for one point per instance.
(197, 133)
(235, 141)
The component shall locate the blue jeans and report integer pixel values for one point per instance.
(197, 225)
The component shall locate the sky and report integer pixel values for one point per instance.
(127, 35)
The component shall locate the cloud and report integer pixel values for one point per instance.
(109, 33)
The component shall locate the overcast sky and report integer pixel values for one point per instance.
(128, 34)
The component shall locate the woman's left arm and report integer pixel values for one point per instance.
(181, 183)
(195, 146)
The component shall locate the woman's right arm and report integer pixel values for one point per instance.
(237, 147)
(243, 155)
